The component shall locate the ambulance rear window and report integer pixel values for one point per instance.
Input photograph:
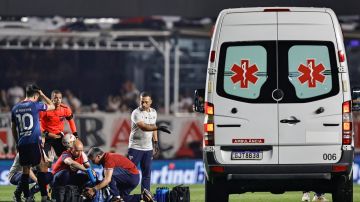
(307, 70)
(310, 70)
(244, 70)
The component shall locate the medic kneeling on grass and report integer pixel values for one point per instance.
(120, 174)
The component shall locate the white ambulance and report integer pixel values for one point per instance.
(277, 104)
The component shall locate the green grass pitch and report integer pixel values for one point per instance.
(197, 195)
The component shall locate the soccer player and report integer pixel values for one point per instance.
(52, 123)
(25, 126)
(120, 174)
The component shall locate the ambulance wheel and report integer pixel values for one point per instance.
(343, 189)
(215, 191)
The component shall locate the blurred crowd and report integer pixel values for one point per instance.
(124, 101)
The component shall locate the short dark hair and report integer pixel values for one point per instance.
(94, 151)
(145, 94)
(56, 92)
(31, 90)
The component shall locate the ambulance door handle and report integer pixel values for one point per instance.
(228, 125)
(294, 120)
(289, 121)
(330, 124)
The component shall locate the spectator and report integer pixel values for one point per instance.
(94, 107)
(4, 107)
(113, 103)
(185, 104)
(130, 94)
(124, 108)
(72, 101)
(15, 94)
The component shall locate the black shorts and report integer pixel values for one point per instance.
(56, 144)
(30, 154)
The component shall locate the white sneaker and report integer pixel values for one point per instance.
(306, 196)
(320, 198)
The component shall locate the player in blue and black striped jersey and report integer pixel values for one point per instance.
(25, 127)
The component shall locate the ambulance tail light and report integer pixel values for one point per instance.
(209, 108)
(209, 133)
(341, 56)
(347, 124)
(212, 56)
(209, 128)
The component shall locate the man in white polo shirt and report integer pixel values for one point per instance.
(144, 138)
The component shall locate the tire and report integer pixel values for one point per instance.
(216, 191)
(343, 191)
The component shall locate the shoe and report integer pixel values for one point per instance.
(319, 198)
(306, 196)
(147, 196)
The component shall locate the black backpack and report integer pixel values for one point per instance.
(180, 194)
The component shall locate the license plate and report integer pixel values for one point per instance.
(246, 155)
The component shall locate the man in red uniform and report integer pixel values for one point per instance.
(66, 167)
(120, 174)
(52, 123)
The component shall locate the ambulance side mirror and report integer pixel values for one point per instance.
(199, 98)
(355, 94)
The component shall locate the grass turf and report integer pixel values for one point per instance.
(197, 194)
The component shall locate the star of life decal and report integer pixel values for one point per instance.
(311, 73)
(244, 73)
